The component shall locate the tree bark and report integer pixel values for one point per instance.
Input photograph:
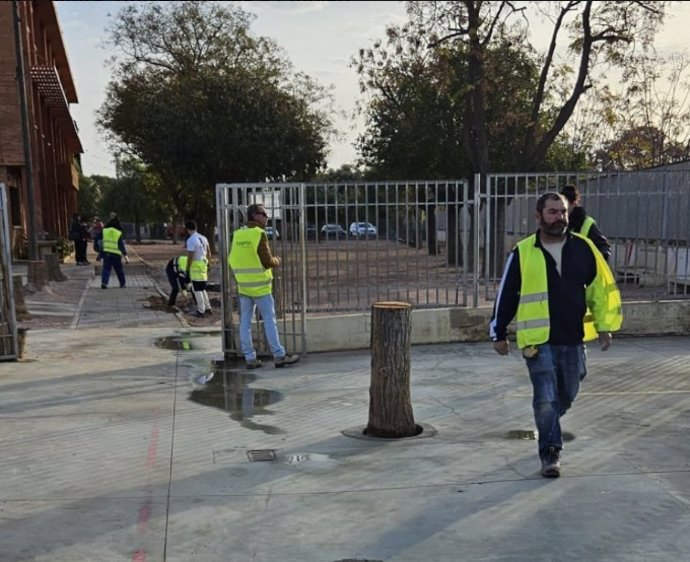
(390, 407)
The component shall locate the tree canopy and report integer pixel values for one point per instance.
(503, 97)
(200, 100)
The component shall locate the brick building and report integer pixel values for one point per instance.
(54, 139)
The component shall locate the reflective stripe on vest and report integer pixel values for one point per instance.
(252, 279)
(586, 225)
(111, 236)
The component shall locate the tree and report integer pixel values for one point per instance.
(199, 100)
(600, 33)
(89, 197)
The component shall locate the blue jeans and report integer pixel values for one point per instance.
(112, 261)
(267, 311)
(555, 373)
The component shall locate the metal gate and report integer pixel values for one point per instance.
(286, 232)
(9, 349)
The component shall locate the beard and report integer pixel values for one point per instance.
(557, 228)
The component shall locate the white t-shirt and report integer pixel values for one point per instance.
(556, 251)
(198, 243)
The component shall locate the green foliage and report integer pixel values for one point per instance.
(459, 89)
(199, 100)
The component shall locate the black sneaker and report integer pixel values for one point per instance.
(551, 463)
(198, 314)
(286, 360)
(208, 312)
(104, 286)
(256, 364)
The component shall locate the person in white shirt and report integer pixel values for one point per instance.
(198, 256)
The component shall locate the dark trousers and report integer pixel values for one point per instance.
(80, 251)
(112, 261)
(175, 282)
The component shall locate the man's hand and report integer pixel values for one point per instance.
(126, 259)
(502, 347)
(605, 340)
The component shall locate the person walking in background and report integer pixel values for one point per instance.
(252, 263)
(79, 234)
(579, 221)
(563, 293)
(176, 271)
(113, 249)
(198, 256)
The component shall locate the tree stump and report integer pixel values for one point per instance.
(37, 274)
(390, 406)
(53, 267)
(20, 309)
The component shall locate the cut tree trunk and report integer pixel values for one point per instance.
(390, 406)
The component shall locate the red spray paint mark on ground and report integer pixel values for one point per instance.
(145, 509)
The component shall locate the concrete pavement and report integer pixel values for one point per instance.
(127, 439)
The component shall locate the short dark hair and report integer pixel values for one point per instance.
(253, 209)
(548, 196)
(571, 193)
(190, 225)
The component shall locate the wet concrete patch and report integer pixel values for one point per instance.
(227, 388)
(185, 341)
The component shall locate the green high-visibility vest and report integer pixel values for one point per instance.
(111, 237)
(586, 225)
(252, 278)
(533, 322)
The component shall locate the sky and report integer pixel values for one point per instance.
(319, 38)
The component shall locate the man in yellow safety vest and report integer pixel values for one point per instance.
(562, 292)
(579, 221)
(252, 262)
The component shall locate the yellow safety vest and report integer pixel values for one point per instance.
(252, 278)
(586, 225)
(111, 236)
(533, 323)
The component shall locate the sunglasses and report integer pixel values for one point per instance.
(261, 213)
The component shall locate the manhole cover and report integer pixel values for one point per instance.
(261, 455)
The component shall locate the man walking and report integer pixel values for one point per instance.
(113, 249)
(252, 262)
(198, 256)
(563, 293)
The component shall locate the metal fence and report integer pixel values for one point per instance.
(439, 244)
(8, 321)
(645, 215)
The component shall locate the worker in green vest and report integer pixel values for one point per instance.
(579, 221)
(563, 293)
(112, 252)
(252, 263)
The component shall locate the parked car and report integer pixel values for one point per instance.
(362, 229)
(272, 233)
(334, 231)
(311, 231)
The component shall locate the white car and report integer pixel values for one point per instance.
(272, 233)
(362, 229)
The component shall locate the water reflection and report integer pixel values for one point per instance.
(228, 389)
(184, 341)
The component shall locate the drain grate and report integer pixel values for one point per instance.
(257, 455)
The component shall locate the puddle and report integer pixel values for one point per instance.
(227, 388)
(186, 341)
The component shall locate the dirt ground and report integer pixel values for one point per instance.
(155, 255)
